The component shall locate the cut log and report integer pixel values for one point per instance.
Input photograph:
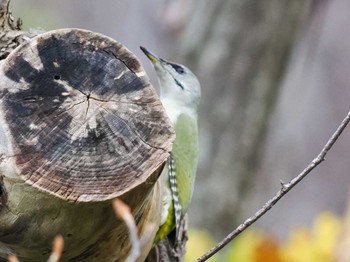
(80, 124)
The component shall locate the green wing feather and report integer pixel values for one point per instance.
(185, 157)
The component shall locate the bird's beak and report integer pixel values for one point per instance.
(154, 58)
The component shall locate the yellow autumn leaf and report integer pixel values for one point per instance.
(199, 242)
(325, 235)
(317, 244)
(297, 247)
(267, 250)
(242, 249)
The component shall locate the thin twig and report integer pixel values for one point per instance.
(57, 248)
(12, 258)
(124, 213)
(6, 19)
(284, 190)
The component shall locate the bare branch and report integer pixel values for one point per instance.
(285, 188)
(12, 258)
(57, 248)
(123, 212)
(6, 20)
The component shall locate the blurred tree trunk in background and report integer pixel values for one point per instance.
(240, 49)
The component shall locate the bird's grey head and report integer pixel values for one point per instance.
(176, 81)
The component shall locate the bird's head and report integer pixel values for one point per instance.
(176, 81)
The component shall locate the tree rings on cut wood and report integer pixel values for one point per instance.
(79, 118)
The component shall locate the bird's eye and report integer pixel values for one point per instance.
(179, 69)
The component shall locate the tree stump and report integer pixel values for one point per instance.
(80, 124)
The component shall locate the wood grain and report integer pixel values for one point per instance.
(79, 116)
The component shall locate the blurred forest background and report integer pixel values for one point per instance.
(275, 87)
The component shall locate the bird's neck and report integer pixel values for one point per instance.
(175, 108)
